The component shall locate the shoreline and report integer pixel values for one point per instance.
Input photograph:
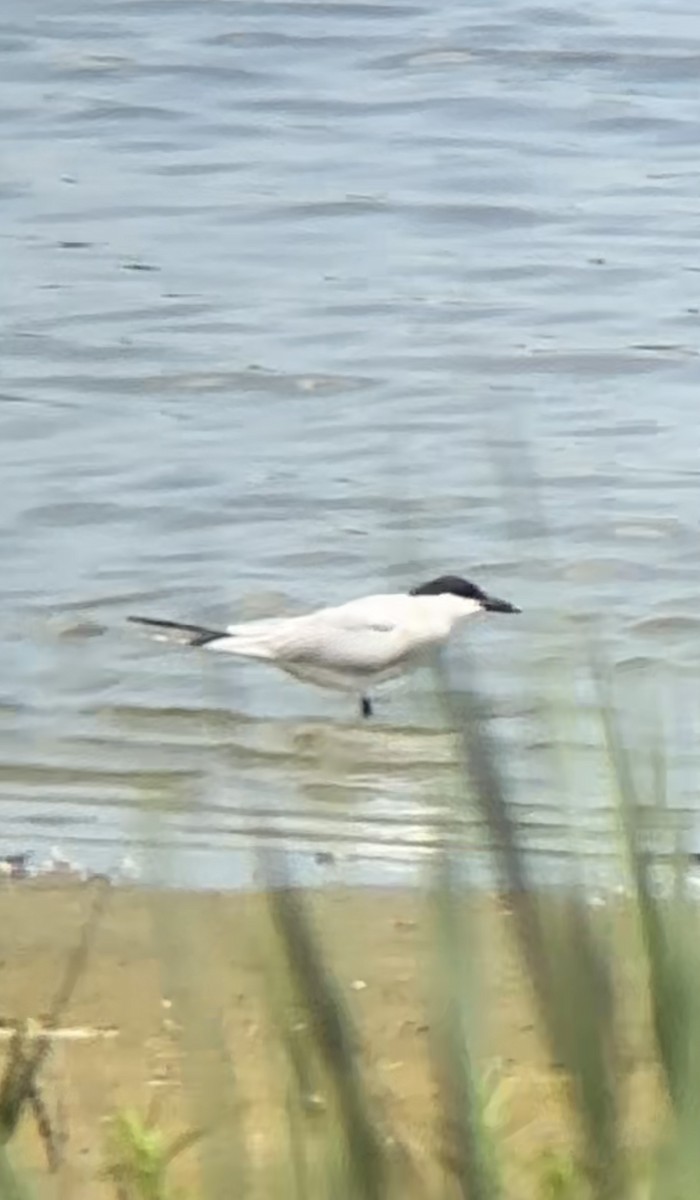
(158, 954)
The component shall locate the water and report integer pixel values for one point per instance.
(286, 288)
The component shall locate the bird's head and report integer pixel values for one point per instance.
(462, 598)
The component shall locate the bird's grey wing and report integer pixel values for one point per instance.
(260, 626)
(347, 645)
(373, 613)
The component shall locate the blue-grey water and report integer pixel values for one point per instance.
(297, 300)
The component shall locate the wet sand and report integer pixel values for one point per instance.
(158, 956)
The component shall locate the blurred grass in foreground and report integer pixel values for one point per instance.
(340, 1142)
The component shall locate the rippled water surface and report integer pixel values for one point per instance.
(287, 287)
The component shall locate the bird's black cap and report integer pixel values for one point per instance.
(454, 585)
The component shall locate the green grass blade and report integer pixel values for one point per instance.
(467, 1149)
(668, 982)
(183, 939)
(335, 1040)
(567, 970)
(12, 1187)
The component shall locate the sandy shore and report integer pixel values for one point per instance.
(158, 956)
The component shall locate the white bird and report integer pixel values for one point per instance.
(349, 647)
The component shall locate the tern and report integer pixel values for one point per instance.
(348, 647)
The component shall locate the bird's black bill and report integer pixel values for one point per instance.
(366, 706)
(492, 604)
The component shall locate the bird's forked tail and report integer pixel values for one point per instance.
(177, 631)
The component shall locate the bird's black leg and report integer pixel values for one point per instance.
(366, 706)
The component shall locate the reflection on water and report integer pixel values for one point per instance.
(365, 802)
(288, 286)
